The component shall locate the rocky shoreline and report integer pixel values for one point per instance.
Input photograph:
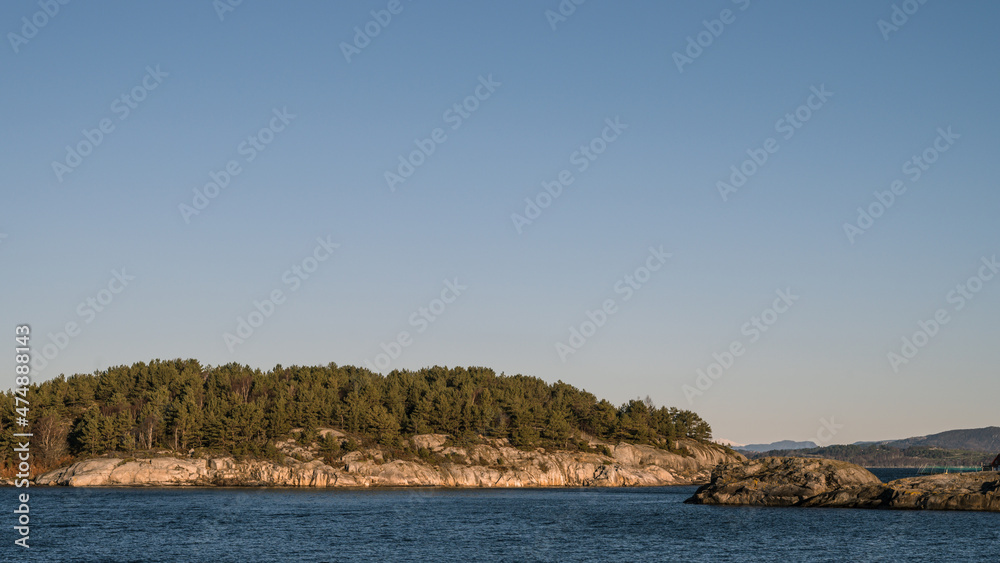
(813, 482)
(489, 465)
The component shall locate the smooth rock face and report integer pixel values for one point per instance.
(777, 481)
(497, 465)
(429, 441)
(110, 471)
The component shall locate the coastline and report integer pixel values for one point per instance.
(485, 466)
(825, 483)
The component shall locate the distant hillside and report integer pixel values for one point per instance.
(782, 445)
(725, 442)
(975, 439)
(970, 440)
(882, 455)
(966, 448)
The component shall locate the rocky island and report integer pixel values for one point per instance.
(493, 465)
(180, 423)
(812, 482)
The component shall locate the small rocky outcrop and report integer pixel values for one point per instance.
(429, 441)
(789, 481)
(495, 464)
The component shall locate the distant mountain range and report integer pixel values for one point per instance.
(782, 445)
(730, 443)
(954, 448)
(973, 439)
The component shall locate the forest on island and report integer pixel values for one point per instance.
(180, 405)
(883, 455)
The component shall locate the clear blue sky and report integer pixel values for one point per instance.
(323, 175)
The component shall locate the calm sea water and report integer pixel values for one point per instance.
(648, 524)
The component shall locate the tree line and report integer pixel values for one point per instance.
(180, 405)
(882, 455)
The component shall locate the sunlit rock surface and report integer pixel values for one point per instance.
(789, 481)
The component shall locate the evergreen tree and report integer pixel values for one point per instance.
(180, 405)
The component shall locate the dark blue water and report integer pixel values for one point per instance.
(646, 524)
(887, 474)
(893, 473)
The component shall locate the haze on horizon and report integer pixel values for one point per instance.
(370, 198)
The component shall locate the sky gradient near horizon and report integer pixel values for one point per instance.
(837, 103)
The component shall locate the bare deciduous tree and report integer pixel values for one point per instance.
(50, 434)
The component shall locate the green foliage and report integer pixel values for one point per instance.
(329, 445)
(181, 406)
(882, 455)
